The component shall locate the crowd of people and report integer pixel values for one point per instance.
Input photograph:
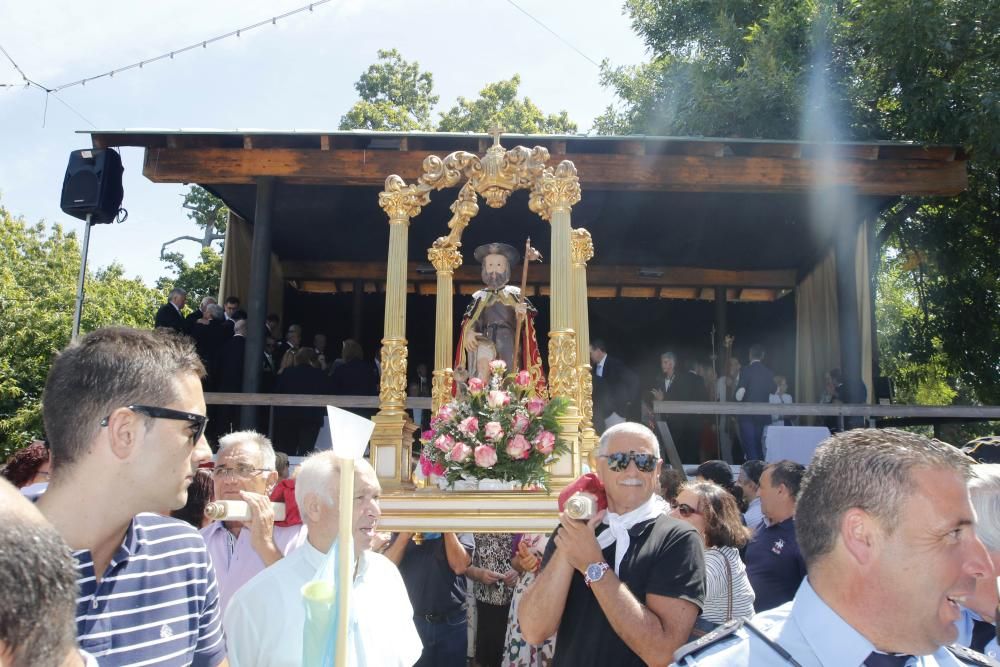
(881, 551)
(619, 396)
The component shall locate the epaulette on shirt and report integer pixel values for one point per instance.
(708, 639)
(970, 657)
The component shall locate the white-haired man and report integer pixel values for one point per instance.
(629, 594)
(245, 470)
(264, 622)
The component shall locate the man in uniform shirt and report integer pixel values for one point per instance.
(887, 532)
(245, 470)
(629, 594)
(774, 563)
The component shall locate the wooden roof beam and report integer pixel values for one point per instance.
(678, 173)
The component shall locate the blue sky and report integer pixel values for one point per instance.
(298, 74)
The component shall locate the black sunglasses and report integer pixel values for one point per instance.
(618, 461)
(196, 421)
(685, 510)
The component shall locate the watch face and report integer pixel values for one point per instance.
(595, 571)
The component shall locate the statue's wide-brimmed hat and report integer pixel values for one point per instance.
(512, 255)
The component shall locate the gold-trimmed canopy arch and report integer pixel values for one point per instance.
(500, 172)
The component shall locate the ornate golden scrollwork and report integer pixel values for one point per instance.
(582, 249)
(392, 392)
(585, 399)
(463, 209)
(441, 384)
(562, 364)
(401, 201)
(555, 190)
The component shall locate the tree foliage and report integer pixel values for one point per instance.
(38, 274)
(890, 69)
(199, 280)
(395, 95)
(498, 105)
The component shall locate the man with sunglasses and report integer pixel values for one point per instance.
(125, 418)
(245, 470)
(625, 587)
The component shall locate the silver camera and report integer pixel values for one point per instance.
(581, 506)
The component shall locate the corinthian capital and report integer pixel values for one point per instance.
(444, 255)
(582, 248)
(555, 190)
(401, 201)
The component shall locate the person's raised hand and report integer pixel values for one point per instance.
(577, 542)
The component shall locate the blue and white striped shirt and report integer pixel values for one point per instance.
(157, 603)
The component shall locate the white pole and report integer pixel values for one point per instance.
(345, 568)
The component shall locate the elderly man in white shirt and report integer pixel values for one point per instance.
(264, 622)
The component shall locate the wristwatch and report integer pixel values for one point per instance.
(595, 571)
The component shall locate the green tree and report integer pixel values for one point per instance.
(395, 95)
(199, 280)
(890, 69)
(38, 274)
(498, 104)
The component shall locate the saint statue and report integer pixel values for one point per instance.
(492, 321)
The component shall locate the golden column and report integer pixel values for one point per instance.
(552, 197)
(446, 258)
(583, 252)
(390, 444)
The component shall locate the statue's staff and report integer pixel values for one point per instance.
(530, 255)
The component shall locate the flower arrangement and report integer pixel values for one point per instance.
(500, 430)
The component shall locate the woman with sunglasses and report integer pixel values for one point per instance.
(713, 512)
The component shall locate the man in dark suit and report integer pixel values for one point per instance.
(231, 374)
(756, 386)
(199, 315)
(169, 315)
(616, 388)
(685, 430)
(210, 334)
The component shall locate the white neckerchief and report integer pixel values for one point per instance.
(619, 524)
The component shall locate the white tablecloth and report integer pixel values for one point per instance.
(795, 443)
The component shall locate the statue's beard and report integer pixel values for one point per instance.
(496, 280)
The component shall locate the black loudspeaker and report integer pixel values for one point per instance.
(93, 185)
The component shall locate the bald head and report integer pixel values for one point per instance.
(37, 587)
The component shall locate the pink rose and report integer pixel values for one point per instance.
(497, 398)
(425, 465)
(518, 447)
(476, 385)
(437, 469)
(535, 406)
(444, 442)
(523, 379)
(460, 452)
(427, 435)
(493, 431)
(469, 425)
(545, 442)
(498, 366)
(486, 456)
(446, 412)
(521, 422)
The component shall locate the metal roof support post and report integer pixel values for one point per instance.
(260, 272)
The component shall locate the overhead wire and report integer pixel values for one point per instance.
(554, 33)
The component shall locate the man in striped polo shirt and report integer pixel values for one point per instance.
(124, 414)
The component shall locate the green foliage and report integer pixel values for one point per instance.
(38, 273)
(208, 211)
(395, 95)
(498, 104)
(199, 280)
(891, 69)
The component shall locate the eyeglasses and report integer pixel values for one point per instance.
(241, 471)
(196, 421)
(618, 462)
(685, 510)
